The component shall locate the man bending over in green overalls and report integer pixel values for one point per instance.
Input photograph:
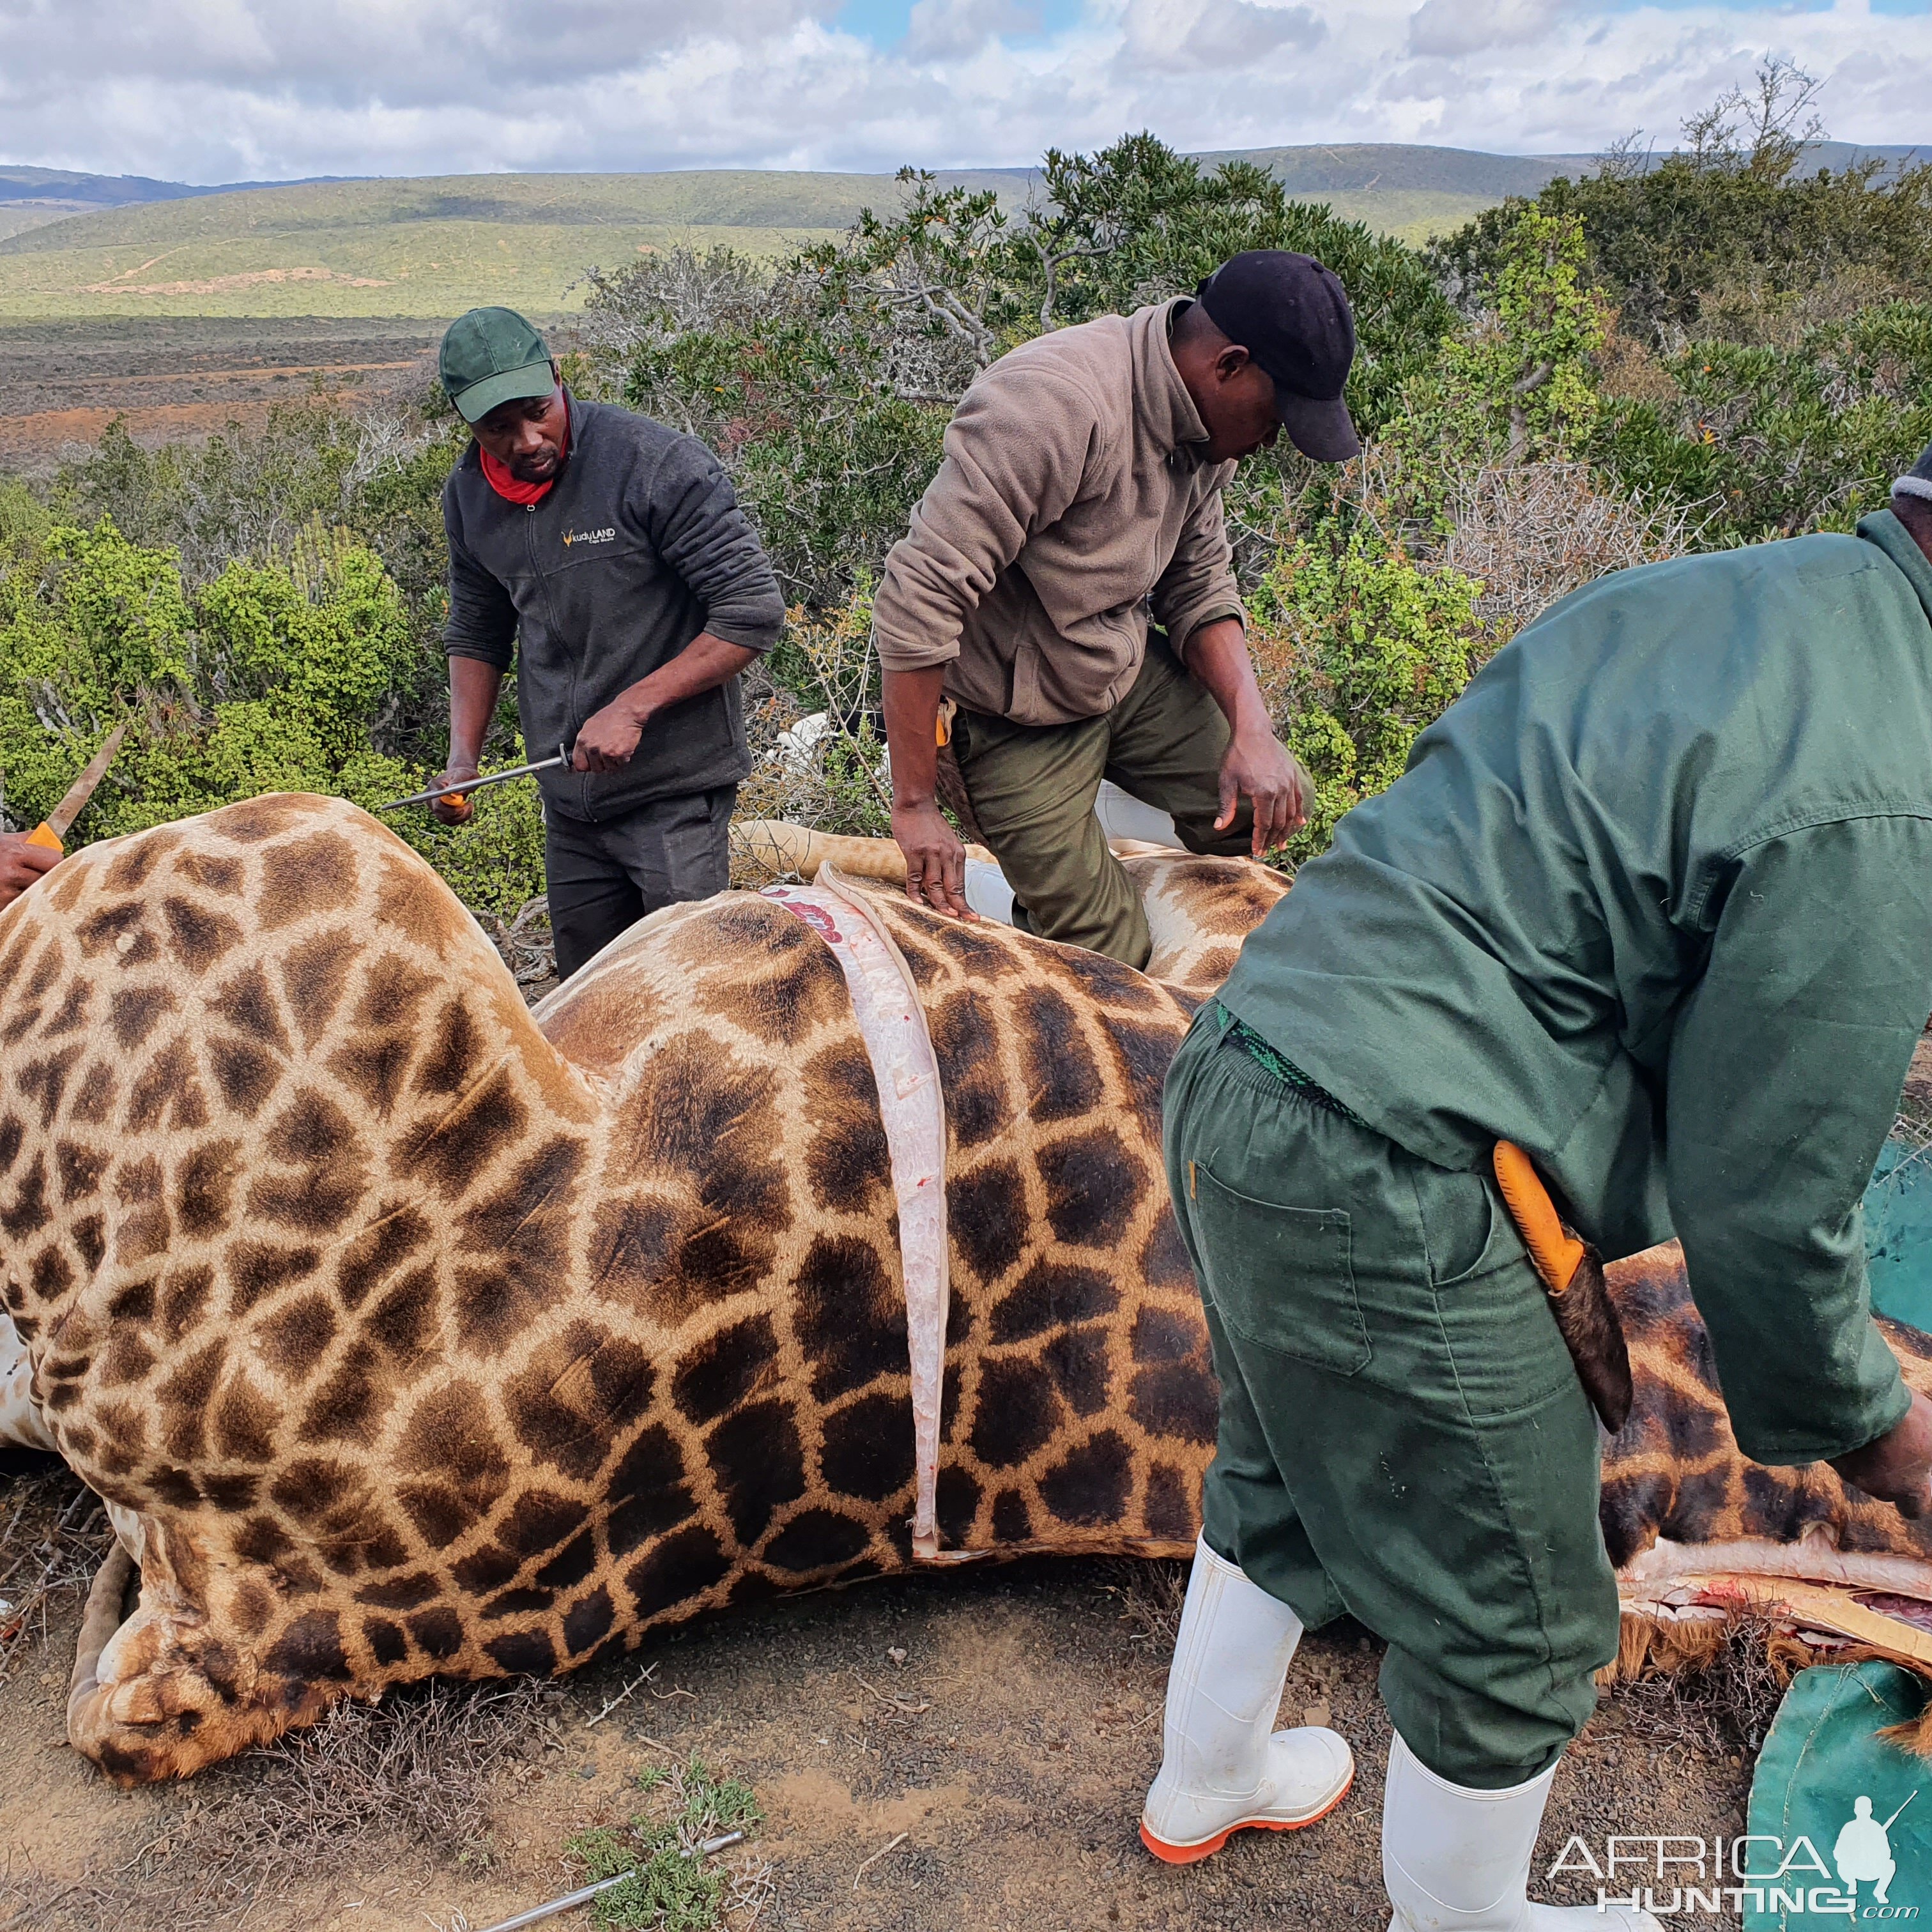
(1653, 901)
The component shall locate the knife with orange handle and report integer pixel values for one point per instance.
(1572, 1277)
(52, 830)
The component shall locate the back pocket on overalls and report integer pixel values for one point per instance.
(1281, 1278)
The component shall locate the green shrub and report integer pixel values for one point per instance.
(1518, 384)
(1770, 441)
(1731, 228)
(262, 681)
(1359, 648)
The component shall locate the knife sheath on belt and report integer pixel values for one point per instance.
(1573, 1277)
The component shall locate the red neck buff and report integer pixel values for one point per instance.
(510, 488)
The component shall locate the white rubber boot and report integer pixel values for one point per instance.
(1223, 1764)
(1457, 1860)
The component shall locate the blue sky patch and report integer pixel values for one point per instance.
(884, 22)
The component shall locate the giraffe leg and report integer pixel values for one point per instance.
(159, 1695)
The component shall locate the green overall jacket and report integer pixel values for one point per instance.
(1654, 900)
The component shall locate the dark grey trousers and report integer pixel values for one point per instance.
(602, 879)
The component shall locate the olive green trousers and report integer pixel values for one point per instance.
(1402, 1433)
(1033, 788)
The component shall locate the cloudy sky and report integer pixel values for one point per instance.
(224, 90)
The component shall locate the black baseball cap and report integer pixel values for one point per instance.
(1292, 316)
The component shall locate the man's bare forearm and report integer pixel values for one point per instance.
(912, 721)
(607, 741)
(1217, 656)
(474, 684)
(1255, 766)
(703, 665)
(935, 858)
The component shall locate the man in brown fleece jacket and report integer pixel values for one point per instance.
(1079, 501)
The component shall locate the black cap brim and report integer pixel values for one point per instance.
(1319, 429)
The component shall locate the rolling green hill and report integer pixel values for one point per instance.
(429, 247)
(435, 246)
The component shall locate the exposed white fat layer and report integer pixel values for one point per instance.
(21, 1426)
(907, 1073)
(1812, 1558)
(128, 1527)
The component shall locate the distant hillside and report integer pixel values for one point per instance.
(429, 247)
(31, 197)
(96, 245)
(1416, 192)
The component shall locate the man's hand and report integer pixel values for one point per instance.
(1257, 767)
(935, 860)
(1897, 1467)
(22, 862)
(606, 743)
(455, 811)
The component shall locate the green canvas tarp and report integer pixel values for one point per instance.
(1840, 1820)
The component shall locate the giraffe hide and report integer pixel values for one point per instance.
(409, 1332)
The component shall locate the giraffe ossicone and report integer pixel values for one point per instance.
(409, 1332)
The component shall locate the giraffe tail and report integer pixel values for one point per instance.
(105, 1613)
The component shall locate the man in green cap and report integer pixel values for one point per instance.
(606, 555)
(1653, 901)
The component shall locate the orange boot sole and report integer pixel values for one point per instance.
(1192, 1854)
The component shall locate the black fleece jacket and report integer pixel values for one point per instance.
(639, 546)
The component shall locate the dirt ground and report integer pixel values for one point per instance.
(61, 383)
(963, 1749)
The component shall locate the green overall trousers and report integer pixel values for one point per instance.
(1402, 1434)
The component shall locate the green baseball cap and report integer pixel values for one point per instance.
(492, 356)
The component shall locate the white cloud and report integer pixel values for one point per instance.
(1454, 27)
(940, 28)
(1211, 36)
(215, 90)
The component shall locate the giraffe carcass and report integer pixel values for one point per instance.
(419, 1334)
(409, 1333)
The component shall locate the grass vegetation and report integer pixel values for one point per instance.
(669, 1884)
(263, 609)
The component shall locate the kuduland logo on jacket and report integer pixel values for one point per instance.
(607, 534)
(1793, 1884)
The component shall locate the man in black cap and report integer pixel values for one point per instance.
(1078, 506)
(609, 553)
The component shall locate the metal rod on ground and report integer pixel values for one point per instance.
(586, 1893)
(468, 785)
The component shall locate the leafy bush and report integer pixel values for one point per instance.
(1725, 236)
(1519, 383)
(1359, 646)
(1773, 442)
(269, 678)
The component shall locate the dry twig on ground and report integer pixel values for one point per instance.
(411, 1774)
(53, 1534)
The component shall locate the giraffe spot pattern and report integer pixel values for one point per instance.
(433, 1348)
